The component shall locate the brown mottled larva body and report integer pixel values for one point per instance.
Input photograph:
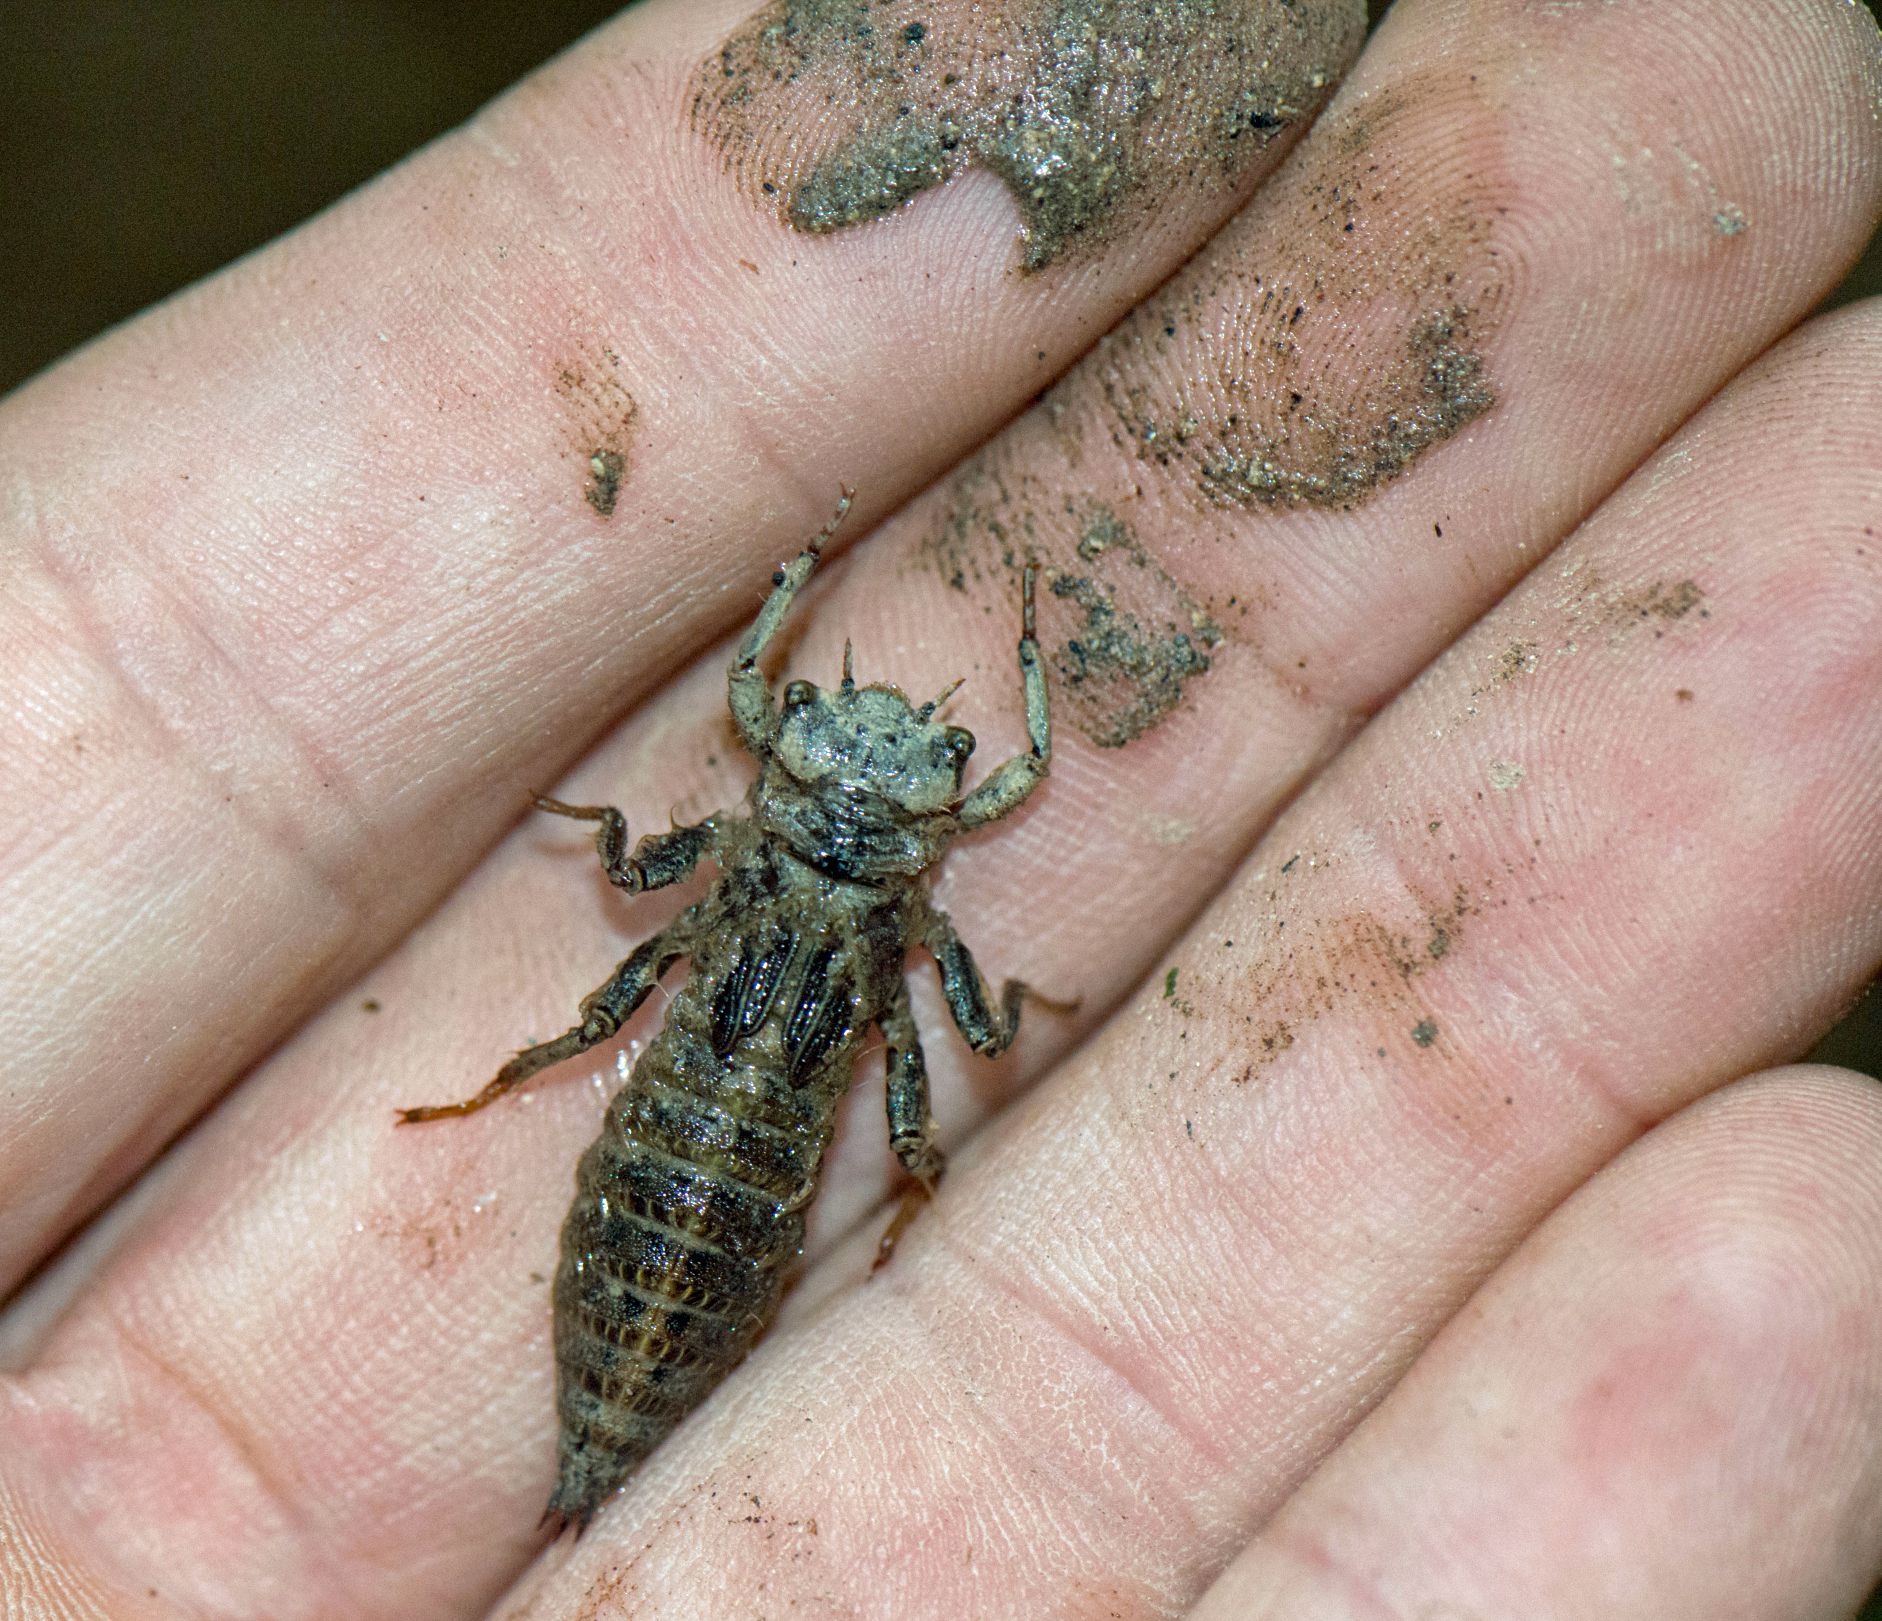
(689, 1207)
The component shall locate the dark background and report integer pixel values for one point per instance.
(143, 146)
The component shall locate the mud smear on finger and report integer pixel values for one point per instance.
(1092, 112)
(1139, 638)
(1329, 337)
(1310, 964)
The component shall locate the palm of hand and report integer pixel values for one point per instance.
(1409, 1236)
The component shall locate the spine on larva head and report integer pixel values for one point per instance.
(687, 1213)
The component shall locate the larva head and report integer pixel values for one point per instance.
(871, 740)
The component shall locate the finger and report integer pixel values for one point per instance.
(1507, 931)
(427, 1225)
(319, 565)
(1209, 647)
(1662, 1406)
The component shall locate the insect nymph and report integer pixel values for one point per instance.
(689, 1207)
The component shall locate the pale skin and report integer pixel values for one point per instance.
(1443, 1241)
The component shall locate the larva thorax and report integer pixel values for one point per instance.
(757, 1047)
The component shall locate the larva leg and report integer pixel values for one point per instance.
(1007, 788)
(604, 1011)
(749, 695)
(658, 860)
(989, 1029)
(911, 1126)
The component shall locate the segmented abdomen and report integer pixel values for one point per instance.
(688, 1206)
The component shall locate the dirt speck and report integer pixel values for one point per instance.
(1506, 776)
(1518, 659)
(605, 468)
(1591, 601)
(601, 416)
(370, 1005)
(431, 1239)
(1092, 112)
(1276, 1039)
(605, 1595)
(1424, 1032)
(1663, 601)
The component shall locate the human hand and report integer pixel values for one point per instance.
(1412, 1234)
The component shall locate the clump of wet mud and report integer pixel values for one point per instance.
(1091, 111)
(1121, 677)
(1325, 340)
(1137, 637)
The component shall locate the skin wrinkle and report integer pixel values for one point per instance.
(979, 1401)
(297, 864)
(1297, 1545)
(1036, 1307)
(1645, 1236)
(262, 1484)
(977, 1271)
(295, 847)
(1240, 1199)
(1587, 1065)
(46, 1593)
